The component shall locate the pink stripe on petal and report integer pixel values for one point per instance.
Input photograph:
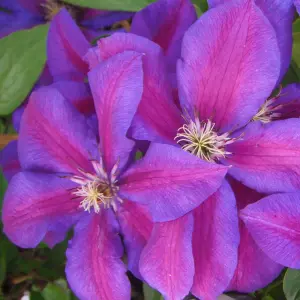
(267, 157)
(117, 86)
(230, 64)
(255, 269)
(77, 93)
(157, 118)
(215, 243)
(281, 15)
(66, 48)
(274, 223)
(167, 261)
(170, 181)
(54, 136)
(9, 160)
(94, 267)
(33, 204)
(288, 102)
(136, 227)
(165, 22)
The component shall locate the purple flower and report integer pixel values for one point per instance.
(70, 177)
(23, 14)
(274, 225)
(165, 22)
(232, 59)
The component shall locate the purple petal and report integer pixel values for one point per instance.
(77, 93)
(96, 19)
(255, 269)
(165, 22)
(94, 267)
(167, 261)
(136, 226)
(54, 136)
(215, 243)
(297, 5)
(33, 204)
(274, 225)
(288, 102)
(17, 115)
(9, 160)
(55, 235)
(66, 49)
(267, 157)
(45, 79)
(281, 15)
(32, 6)
(157, 118)
(170, 181)
(14, 21)
(230, 64)
(117, 86)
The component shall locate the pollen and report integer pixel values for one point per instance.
(269, 111)
(97, 190)
(52, 8)
(200, 139)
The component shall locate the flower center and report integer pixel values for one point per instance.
(269, 111)
(53, 7)
(97, 190)
(200, 139)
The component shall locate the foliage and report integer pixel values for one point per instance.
(22, 58)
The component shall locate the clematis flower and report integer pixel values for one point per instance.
(164, 22)
(228, 69)
(22, 14)
(70, 177)
(274, 225)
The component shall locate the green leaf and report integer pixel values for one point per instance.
(124, 5)
(202, 4)
(22, 58)
(151, 294)
(198, 10)
(268, 297)
(3, 186)
(296, 48)
(36, 296)
(2, 267)
(54, 291)
(296, 26)
(2, 126)
(138, 155)
(291, 284)
(292, 75)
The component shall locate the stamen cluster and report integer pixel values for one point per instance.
(200, 139)
(269, 111)
(97, 190)
(52, 7)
